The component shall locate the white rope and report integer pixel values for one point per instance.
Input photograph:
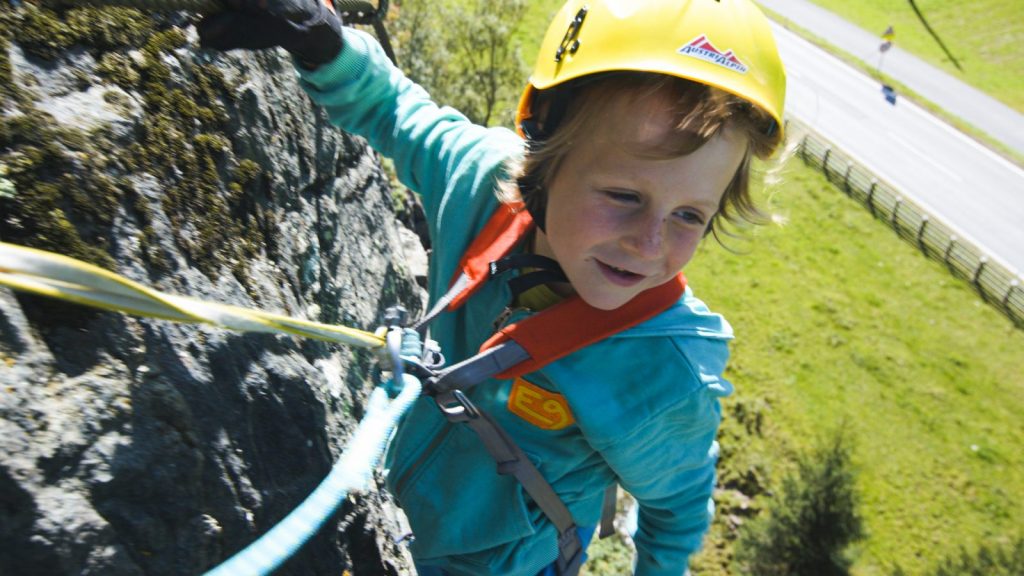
(351, 472)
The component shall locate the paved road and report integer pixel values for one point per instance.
(976, 192)
(969, 104)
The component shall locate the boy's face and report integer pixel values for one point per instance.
(621, 219)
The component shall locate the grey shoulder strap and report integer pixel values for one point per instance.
(608, 510)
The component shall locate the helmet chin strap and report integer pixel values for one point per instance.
(529, 185)
(537, 210)
(551, 106)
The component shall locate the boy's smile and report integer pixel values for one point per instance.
(621, 216)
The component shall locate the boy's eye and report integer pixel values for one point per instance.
(623, 197)
(690, 217)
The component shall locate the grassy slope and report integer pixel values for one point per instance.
(838, 322)
(985, 36)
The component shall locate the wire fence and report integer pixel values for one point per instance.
(996, 283)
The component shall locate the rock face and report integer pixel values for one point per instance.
(138, 446)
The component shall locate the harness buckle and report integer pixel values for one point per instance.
(456, 407)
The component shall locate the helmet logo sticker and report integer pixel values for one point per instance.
(570, 42)
(702, 48)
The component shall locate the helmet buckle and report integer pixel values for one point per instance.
(570, 42)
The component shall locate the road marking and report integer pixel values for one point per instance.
(999, 158)
(952, 175)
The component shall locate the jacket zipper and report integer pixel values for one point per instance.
(506, 314)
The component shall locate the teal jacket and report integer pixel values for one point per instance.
(640, 408)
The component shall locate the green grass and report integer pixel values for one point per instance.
(985, 36)
(839, 323)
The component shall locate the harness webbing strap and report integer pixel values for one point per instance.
(459, 284)
(513, 461)
(525, 260)
(608, 510)
(521, 284)
(502, 232)
(470, 372)
(570, 548)
(573, 324)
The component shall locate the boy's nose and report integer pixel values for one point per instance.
(646, 236)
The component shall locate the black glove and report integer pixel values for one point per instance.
(309, 29)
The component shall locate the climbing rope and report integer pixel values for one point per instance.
(351, 472)
(48, 274)
(56, 276)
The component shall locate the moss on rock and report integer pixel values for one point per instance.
(6, 74)
(46, 34)
(110, 27)
(118, 69)
(67, 200)
(55, 175)
(41, 33)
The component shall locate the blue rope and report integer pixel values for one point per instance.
(351, 472)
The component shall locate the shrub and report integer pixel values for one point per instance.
(807, 528)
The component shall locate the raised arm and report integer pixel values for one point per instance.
(437, 151)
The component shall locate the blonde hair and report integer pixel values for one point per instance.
(699, 112)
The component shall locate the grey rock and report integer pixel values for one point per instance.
(138, 446)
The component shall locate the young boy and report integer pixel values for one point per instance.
(636, 135)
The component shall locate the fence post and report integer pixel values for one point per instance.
(977, 272)
(1009, 310)
(895, 210)
(949, 250)
(871, 196)
(824, 162)
(920, 232)
(846, 177)
(1009, 291)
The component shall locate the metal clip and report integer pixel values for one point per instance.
(433, 359)
(456, 406)
(391, 354)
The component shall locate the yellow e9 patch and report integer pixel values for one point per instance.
(538, 406)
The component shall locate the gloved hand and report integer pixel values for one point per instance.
(309, 29)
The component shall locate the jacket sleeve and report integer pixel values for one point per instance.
(671, 473)
(435, 149)
(657, 435)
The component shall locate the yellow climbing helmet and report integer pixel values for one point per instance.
(727, 44)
